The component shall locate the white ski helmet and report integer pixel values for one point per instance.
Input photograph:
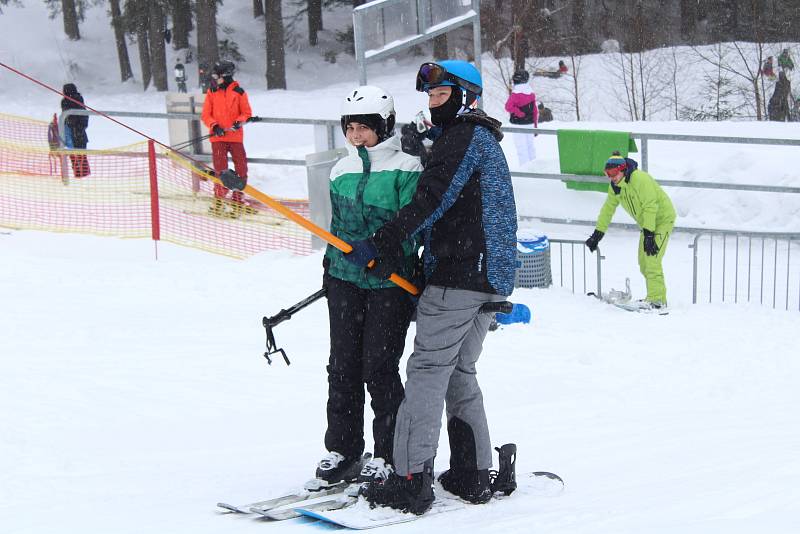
(372, 107)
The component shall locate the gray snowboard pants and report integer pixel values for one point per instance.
(449, 340)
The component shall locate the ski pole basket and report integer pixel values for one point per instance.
(281, 316)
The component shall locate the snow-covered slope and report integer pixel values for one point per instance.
(134, 395)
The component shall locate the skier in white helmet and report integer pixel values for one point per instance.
(368, 314)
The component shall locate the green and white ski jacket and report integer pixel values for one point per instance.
(368, 188)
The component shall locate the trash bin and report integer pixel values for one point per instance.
(533, 262)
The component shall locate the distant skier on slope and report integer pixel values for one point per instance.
(75, 130)
(651, 208)
(521, 105)
(225, 111)
(369, 315)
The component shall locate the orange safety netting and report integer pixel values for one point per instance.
(133, 191)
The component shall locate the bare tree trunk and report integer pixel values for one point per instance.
(181, 23)
(688, 19)
(575, 72)
(207, 45)
(635, 109)
(158, 54)
(276, 61)
(125, 71)
(519, 49)
(578, 43)
(142, 16)
(440, 47)
(70, 20)
(314, 20)
(258, 8)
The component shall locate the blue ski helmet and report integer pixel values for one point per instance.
(453, 72)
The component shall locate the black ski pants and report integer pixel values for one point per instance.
(368, 331)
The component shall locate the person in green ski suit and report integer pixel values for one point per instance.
(651, 208)
(369, 315)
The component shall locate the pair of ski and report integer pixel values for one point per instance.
(339, 504)
(280, 508)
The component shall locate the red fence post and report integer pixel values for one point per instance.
(155, 221)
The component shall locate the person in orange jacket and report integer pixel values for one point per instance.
(225, 111)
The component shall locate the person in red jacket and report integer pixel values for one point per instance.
(225, 111)
(521, 105)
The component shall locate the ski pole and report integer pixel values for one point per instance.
(231, 181)
(181, 146)
(190, 142)
(281, 316)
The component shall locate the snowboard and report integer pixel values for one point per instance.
(624, 301)
(360, 516)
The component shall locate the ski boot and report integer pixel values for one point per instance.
(472, 486)
(412, 493)
(335, 468)
(504, 480)
(375, 469)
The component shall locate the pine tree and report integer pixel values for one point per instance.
(276, 61)
(117, 22)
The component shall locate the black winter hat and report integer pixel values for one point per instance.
(521, 76)
(70, 89)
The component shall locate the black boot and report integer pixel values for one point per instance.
(472, 486)
(412, 493)
(504, 479)
(335, 467)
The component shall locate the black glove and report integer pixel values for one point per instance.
(236, 125)
(363, 252)
(594, 239)
(650, 247)
(217, 130)
(382, 268)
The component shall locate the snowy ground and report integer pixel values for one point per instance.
(135, 396)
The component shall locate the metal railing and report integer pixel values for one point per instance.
(330, 126)
(332, 129)
(749, 267)
(645, 137)
(568, 274)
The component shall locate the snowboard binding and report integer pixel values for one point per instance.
(504, 480)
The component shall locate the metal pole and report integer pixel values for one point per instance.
(358, 40)
(476, 34)
(736, 273)
(724, 263)
(775, 274)
(694, 268)
(710, 267)
(788, 257)
(599, 276)
(644, 152)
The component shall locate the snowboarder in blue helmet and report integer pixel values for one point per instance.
(464, 204)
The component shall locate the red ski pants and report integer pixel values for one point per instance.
(219, 156)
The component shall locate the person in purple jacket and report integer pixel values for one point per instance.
(521, 105)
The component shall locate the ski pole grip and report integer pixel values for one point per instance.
(497, 307)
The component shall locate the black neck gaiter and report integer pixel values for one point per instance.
(441, 115)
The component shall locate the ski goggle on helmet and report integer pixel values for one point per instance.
(451, 72)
